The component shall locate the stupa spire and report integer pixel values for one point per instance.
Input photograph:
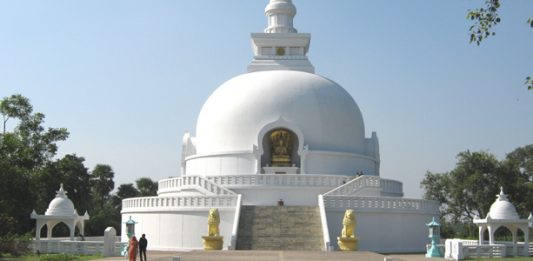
(61, 192)
(280, 46)
(280, 14)
(502, 196)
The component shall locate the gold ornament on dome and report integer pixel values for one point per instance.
(281, 148)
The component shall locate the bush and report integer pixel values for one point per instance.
(58, 257)
(15, 245)
(67, 257)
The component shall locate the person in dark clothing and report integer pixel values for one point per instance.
(143, 243)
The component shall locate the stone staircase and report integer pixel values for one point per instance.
(280, 228)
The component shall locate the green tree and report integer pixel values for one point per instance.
(70, 171)
(485, 19)
(76, 181)
(29, 177)
(29, 145)
(470, 188)
(436, 187)
(146, 187)
(103, 213)
(16, 106)
(24, 149)
(101, 218)
(463, 192)
(127, 191)
(519, 165)
(124, 191)
(16, 199)
(102, 184)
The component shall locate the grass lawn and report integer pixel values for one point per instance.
(52, 257)
(507, 258)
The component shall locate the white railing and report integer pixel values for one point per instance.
(391, 188)
(151, 203)
(289, 180)
(459, 249)
(191, 182)
(355, 185)
(324, 220)
(73, 247)
(377, 203)
(441, 248)
(235, 229)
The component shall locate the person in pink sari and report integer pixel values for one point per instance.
(133, 249)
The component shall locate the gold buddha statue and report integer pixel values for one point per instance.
(281, 148)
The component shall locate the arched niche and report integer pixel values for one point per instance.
(486, 234)
(503, 233)
(520, 234)
(60, 229)
(265, 148)
(280, 148)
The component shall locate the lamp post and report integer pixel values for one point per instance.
(130, 227)
(434, 234)
(130, 231)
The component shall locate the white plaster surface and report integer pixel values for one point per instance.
(175, 230)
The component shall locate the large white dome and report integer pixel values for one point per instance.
(239, 109)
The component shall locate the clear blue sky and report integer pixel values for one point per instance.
(127, 78)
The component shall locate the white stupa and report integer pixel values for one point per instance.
(503, 213)
(60, 210)
(281, 131)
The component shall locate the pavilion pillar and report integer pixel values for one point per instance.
(49, 228)
(481, 234)
(82, 228)
(526, 240)
(38, 226)
(72, 227)
(513, 232)
(491, 235)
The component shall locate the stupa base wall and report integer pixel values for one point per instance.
(385, 231)
(178, 230)
(384, 224)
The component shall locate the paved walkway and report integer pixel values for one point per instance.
(245, 255)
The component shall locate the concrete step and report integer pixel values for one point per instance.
(280, 228)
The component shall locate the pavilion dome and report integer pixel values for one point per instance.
(239, 109)
(61, 205)
(502, 208)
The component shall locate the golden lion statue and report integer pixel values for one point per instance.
(213, 240)
(213, 220)
(348, 224)
(348, 240)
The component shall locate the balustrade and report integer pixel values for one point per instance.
(184, 182)
(294, 180)
(73, 247)
(174, 202)
(379, 203)
(356, 185)
(217, 184)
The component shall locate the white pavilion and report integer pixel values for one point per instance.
(280, 133)
(60, 210)
(502, 213)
